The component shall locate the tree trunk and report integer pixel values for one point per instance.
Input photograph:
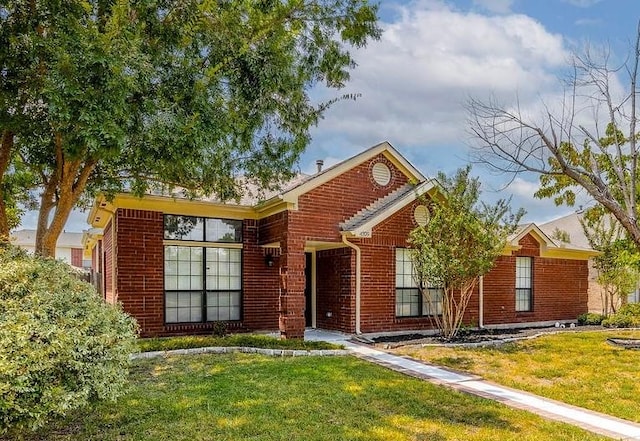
(5, 158)
(61, 193)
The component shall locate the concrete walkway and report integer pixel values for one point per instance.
(592, 421)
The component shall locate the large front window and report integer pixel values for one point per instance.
(202, 269)
(409, 301)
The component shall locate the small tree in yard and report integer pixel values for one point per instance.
(460, 243)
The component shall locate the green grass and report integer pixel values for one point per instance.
(247, 340)
(253, 397)
(579, 368)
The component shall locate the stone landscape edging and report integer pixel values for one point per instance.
(241, 349)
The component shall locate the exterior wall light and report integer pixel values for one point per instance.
(268, 260)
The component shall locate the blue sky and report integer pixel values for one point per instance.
(433, 55)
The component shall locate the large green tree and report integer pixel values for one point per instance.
(460, 243)
(587, 142)
(106, 95)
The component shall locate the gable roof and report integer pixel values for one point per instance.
(548, 247)
(291, 194)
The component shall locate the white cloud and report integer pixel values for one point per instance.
(496, 6)
(588, 22)
(582, 3)
(415, 80)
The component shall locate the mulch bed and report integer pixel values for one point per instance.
(472, 337)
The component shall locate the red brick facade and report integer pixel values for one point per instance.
(273, 267)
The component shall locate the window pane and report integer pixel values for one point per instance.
(171, 300)
(224, 230)
(183, 307)
(183, 228)
(223, 305)
(170, 282)
(523, 299)
(235, 282)
(172, 315)
(433, 302)
(407, 302)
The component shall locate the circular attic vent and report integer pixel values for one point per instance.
(421, 215)
(381, 173)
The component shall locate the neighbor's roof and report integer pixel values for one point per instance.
(548, 246)
(569, 224)
(28, 238)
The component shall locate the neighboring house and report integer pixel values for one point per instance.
(328, 251)
(69, 247)
(570, 225)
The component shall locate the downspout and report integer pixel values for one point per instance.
(481, 303)
(358, 273)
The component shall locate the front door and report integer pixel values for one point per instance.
(307, 289)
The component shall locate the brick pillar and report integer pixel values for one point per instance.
(292, 288)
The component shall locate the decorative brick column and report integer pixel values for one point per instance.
(292, 281)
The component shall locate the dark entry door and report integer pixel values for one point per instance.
(307, 289)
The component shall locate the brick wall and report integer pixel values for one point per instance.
(321, 210)
(140, 267)
(335, 288)
(559, 288)
(140, 277)
(560, 285)
(260, 283)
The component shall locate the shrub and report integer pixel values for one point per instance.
(590, 318)
(628, 316)
(219, 329)
(61, 346)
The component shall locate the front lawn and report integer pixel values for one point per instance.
(579, 368)
(254, 397)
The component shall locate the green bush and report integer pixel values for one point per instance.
(628, 316)
(61, 345)
(590, 318)
(246, 340)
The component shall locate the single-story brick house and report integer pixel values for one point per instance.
(328, 251)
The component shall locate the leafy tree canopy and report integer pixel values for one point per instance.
(107, 95)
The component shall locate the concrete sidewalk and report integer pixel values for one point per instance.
(589, 420)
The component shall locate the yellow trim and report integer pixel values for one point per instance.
(568, 253)
(193, 243)
(187, 207)
(273, 208)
